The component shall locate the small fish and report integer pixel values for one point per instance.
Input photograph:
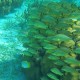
(25, 64)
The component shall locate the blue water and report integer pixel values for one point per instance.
(10, 47)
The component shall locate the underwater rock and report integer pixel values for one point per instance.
(7, 6)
